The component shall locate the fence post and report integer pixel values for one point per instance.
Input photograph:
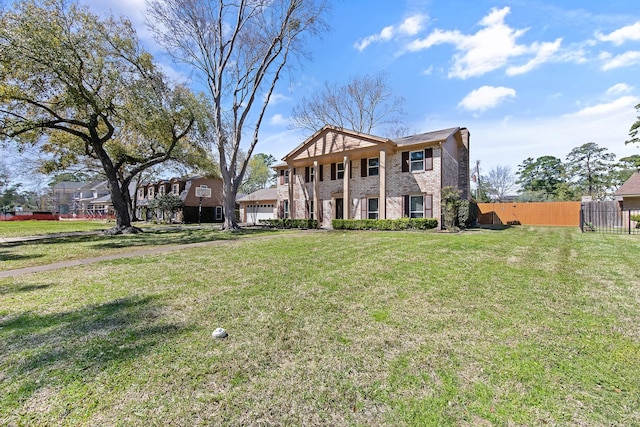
(629, 219)
(582, 218)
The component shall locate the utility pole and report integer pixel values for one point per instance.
(478, 178)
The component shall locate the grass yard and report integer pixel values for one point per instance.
(34, 228)
(15, 255)
(525, 326)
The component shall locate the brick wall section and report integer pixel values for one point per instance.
(631, 202)
(463, 164)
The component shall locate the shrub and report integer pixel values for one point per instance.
(290, 223)
(385, 224)
(457, 213)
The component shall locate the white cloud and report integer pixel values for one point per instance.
(385, 34)
(278, 120)
(619, 88)
(510, 142)
(409, 27)
(625, 103)
(486, 97)
(277, 98)
(626, 59)
(412, 25)
(543, 51)
(621, 35)
(491, 48)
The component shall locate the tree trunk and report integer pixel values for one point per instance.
(229, 205)
(119, 200)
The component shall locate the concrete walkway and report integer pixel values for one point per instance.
(142, 252)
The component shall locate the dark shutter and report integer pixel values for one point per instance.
(363, 167)
(405, 161)
(406, 206)
(321, 173)
(428, 205)
(307, 174)
(350, 169)
(281, 176)
(294, 171)
(333, 171)
(428, 159)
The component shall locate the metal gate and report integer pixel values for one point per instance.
(608, 217)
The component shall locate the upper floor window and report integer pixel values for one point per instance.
(162, 189)
(340, 170)
(175, 189)
(417, 160)
(284, 176)
(150, 192)
(373, 166)
(140, 193)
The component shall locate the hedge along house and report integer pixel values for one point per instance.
(342, 174)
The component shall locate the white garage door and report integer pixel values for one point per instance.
(261, 211)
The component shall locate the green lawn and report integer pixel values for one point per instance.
(34, 228)
(525, 326)
(31, 253)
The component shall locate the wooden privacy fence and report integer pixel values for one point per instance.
(565, 214)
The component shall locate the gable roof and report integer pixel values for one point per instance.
(427, 137)
(262, 194)
(331, 140)
(631, 187)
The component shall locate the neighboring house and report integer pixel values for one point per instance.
(80, 198)
(343, 174)
(630, 192)
(258, 205)
(196, 208)
(63, 195)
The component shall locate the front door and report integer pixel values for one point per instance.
(339, 208)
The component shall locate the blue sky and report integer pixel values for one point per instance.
(527, 78)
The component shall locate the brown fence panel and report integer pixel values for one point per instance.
(565, 214)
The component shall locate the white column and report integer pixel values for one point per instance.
(382, 201)
(346, 198)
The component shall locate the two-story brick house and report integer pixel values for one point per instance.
(342, 174)
(196, 209)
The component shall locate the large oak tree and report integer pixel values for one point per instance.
(82, 86)
(240, 49)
